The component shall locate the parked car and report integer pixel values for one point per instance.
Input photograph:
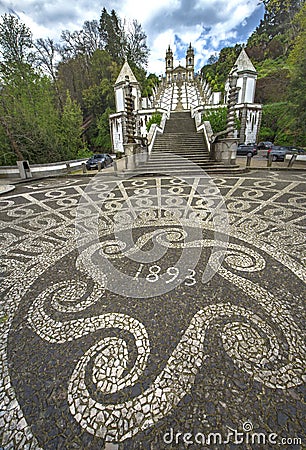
(264, 145)
(277, 152)
(292, 150)
(243, 150)
(105, 160)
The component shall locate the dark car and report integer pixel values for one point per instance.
(277, 152)
(103, 158)
(243, 150)
(264, 145)
(292, 150)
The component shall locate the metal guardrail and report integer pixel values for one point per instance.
(40, 169)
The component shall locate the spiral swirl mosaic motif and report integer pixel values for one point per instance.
(132, 307)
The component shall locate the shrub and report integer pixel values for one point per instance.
(156, 118)
(217, 118)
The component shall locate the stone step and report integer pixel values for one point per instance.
(188, 164)
(181, 139)
(179, 142)
(192, 150)
(179, 168)
(179, 135)
(182, 143)
(177, 157)
(182, 172)
(173, 160)
(177, 165)
(180, 152)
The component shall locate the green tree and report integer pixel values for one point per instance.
(297, 60)
(97, 98)
(15, 43)
(136, 49)
(71, 129)
(276, 32)
(123, 39)
(46, 54)
(73, 76)
(32, 125)
(217, 72)
(29, 116)
(112, 34)
(102, 139)
(151, 82)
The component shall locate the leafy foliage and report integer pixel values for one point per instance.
(218, 119)
(278, 49)
(102, 140)
(156, 118)
(123, 39)
(297, 60)
(34, 127)
(216, 72)
(56, 99)
(281, 71)
(149, 85)
(15, 43)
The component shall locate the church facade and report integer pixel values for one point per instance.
(181, 89)
(179, 73)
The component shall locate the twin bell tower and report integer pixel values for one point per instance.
(179, 73)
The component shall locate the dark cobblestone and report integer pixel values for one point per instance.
(84, 366)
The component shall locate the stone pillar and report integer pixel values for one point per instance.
(232, 100)
(24, 169)
(243, 122)
(225, 150)
(130, 118)
(130, 154)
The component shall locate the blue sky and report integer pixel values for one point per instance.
(208, 24)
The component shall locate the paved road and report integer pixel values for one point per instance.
(143, 314)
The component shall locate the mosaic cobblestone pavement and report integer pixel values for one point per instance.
(103, 347)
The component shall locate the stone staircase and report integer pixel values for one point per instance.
(180, 137)
(180, 150)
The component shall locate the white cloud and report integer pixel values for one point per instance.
(207, 24)
(143, 11)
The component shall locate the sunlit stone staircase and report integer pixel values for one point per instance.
(181, 151)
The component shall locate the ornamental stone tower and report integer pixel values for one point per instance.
(126, 75)
(169, 64)
(249, 113)
(190, 63)
(128, 100)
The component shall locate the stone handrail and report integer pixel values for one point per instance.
(154, 129)
(204, 127)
